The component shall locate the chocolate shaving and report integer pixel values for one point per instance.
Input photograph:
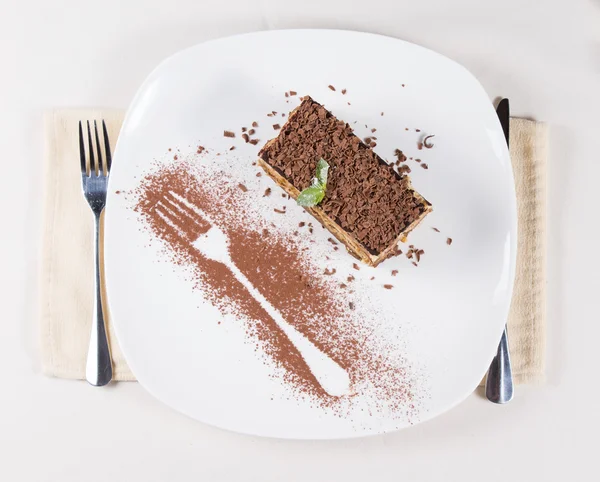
(254, 141)
(331, 87)
(356, 267)
(228, 134)
(293, 92)
(388, 287)
(276, 127)
(280, 211)
(436, 230)
(415, 264)
(428, 145)
(232, 148)
(246, 137)
(242, 187)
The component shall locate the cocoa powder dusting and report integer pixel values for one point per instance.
(169, 202)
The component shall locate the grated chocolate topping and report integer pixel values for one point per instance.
(365, 196)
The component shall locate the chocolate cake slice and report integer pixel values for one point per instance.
(368, 206)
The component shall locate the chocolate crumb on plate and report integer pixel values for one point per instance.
(415, 264)
(329, 272)
(356, 267)
(344, 91)
(394, 272)
(424, 166)
(280, 211)
(232, 148)
(343, 285)
(301, 224)
(436, 230)
(242, 187)
(244, 129)
(254, 141)
(259, 174)
(388, 287)
(449, 241)
(351, 305)
(246, 137)
(251, 132)
(255, 124)
(287, 95)
(267, 192)
(276, 127)
(426, 144)
(228, 134)
(331, 87)
(293, 92)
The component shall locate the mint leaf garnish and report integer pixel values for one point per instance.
(313, 195)
(322, 171)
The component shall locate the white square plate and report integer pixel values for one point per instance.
(445, 317)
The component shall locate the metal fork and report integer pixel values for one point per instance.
(98, 370)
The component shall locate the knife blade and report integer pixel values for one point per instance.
(499, 384)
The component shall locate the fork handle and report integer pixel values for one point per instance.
(98, 370)
(499, 384)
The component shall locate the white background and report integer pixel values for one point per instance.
(544, 56)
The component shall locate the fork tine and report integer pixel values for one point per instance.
(91, 149)
(82, 150)
(106, 147)
(98, 150)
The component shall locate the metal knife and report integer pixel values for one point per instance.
(499, 384)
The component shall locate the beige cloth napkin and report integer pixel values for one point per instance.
(66, 268)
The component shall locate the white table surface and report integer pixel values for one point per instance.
(544, 56)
